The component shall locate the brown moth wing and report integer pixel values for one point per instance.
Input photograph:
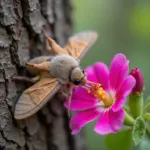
(40, 59)
(35, 97)
(75, 48)
(79, 43)
(37, 60)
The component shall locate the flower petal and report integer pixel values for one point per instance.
(82, 118)
(118, 71)
(102, 74)
(110, 122)
(91, 76)
(124, 91)
(81, 99)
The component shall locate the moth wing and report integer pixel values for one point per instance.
(37, 60)
(80, 43)
(40, 59)
(35, 97)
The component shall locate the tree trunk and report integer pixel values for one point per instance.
(21, 38)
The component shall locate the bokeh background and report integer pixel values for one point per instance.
(123, 27)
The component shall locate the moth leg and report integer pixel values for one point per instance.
(26, 79)
(69, 99)
(68, 94)
(63, 93)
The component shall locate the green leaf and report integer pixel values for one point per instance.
(147, 116)
(121, 140)
(138, 130)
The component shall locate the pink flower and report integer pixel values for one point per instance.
(107, 102)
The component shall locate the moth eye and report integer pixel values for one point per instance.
(77, 82)
(83, 71)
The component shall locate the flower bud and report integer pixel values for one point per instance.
(136, 96)
(137, 74)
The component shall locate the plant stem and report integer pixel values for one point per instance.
(129, 121)
(136, 104)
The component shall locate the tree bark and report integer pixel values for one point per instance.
(21, 38)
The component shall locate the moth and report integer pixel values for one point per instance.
(61, 67)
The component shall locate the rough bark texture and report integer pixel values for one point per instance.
(21, 38)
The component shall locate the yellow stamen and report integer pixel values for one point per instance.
(101, 94)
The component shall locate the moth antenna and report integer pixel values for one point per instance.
(45, 66)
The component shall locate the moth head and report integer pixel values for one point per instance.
(78, 76)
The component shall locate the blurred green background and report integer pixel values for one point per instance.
(123, 27)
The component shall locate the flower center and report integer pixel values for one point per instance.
(101, 94)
